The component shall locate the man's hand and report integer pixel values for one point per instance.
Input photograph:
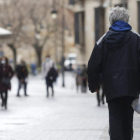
(96, 90)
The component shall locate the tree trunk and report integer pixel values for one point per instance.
(12, 47)
(39, 55)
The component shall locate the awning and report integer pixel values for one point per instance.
(5, 36)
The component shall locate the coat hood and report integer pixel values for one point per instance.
(117, 36)
(120, 26)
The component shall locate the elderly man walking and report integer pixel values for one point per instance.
(117, 56)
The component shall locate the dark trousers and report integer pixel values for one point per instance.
(25, 87)
(84, 85)
(4, 97)
(121, 118)
(100, 98)
(49, 84)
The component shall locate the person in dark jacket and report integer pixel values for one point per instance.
(117, 56)
(6, 73)
(84, 78)
(78, 79)
(22, 75)
(50, 79)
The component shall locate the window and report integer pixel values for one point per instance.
(99, 22)
(71, 2)
(79, 28)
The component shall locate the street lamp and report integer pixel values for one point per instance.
(54, 14)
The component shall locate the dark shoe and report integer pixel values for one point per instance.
(103, 102)
(47, 95)
(18, 95)
(5, 106)
(98, 104)
(26, 95)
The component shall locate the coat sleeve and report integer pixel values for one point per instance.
(95, 68)
(11, 72)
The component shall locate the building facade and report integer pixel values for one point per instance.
(91, 22)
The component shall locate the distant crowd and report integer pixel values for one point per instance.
(49, 72)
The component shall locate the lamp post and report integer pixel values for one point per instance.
(63, 43)
(54, 16)
(54, 12)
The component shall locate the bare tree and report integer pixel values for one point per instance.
(42, 26)
(13, 16)
(31, 24)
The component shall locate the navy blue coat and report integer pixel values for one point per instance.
(117, 56)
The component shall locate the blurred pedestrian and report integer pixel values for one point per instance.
(78, 77)
(100, 98)
(34, 68)
(6, 73)
(22, 75)
(51, 78)
(47, 74)
(84, 79)
(117, 56)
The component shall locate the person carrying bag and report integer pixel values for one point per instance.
(6, 73)
(117, 56)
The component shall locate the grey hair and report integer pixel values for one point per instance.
(118, 13)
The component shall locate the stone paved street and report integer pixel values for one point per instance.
(66, 116)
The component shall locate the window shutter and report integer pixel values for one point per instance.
(76, 28)
(99, 22)
(71, 2)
